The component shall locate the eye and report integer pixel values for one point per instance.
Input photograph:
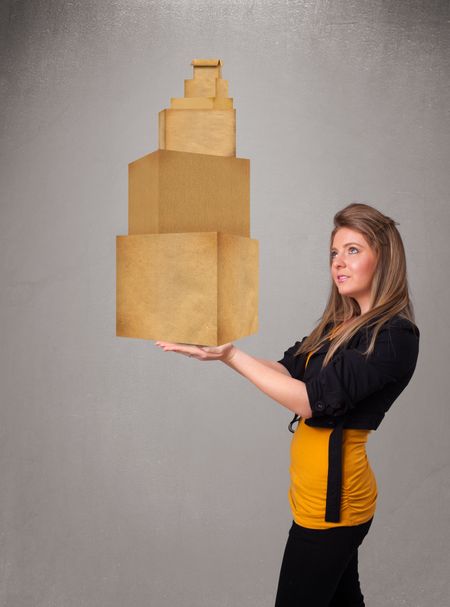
(332, 254)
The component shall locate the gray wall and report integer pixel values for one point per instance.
(134, 476)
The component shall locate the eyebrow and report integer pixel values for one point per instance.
(346, 245)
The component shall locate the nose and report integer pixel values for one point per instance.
(338, 262)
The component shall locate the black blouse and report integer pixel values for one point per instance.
(353, 391)
(350, 379)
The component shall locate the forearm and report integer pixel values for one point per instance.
(285, 390)
(272, 364)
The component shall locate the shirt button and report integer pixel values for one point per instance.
(320, 405)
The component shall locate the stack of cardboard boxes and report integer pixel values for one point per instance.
(187, 271)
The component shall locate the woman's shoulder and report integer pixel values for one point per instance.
(398, 321)
(401, 322)
(396, 328)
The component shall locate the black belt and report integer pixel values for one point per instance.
(334, 481)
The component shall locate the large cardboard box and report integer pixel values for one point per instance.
(199, 288)
(182, 192)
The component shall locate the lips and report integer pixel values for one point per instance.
(342, 278)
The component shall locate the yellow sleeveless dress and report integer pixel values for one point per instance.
(309, 473)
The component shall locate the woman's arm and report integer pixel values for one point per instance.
(287, 391)
(272, 364)
(269, 376)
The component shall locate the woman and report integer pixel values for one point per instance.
(339, 381)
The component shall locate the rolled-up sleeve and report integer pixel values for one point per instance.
(350, 377)
(290, 361)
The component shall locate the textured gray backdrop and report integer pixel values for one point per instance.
(130, 476)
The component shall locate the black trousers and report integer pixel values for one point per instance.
(320, 567)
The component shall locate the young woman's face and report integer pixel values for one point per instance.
(354, 261)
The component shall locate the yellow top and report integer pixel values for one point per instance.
(309, 473)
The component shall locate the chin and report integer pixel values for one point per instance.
(345, 292)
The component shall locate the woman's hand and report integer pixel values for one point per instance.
(224, 353)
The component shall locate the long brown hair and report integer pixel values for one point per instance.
(389, 292)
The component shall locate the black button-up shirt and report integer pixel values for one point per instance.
(353, 391)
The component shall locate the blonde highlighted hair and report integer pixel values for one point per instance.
(389, 292)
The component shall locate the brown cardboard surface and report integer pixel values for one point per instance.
(201, 103)
(207, 62)
(183, 192)
(206, 87)
(188, 269)
(198, 131)
(197, 288)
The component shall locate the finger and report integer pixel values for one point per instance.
(193, 351)
(178, 348)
